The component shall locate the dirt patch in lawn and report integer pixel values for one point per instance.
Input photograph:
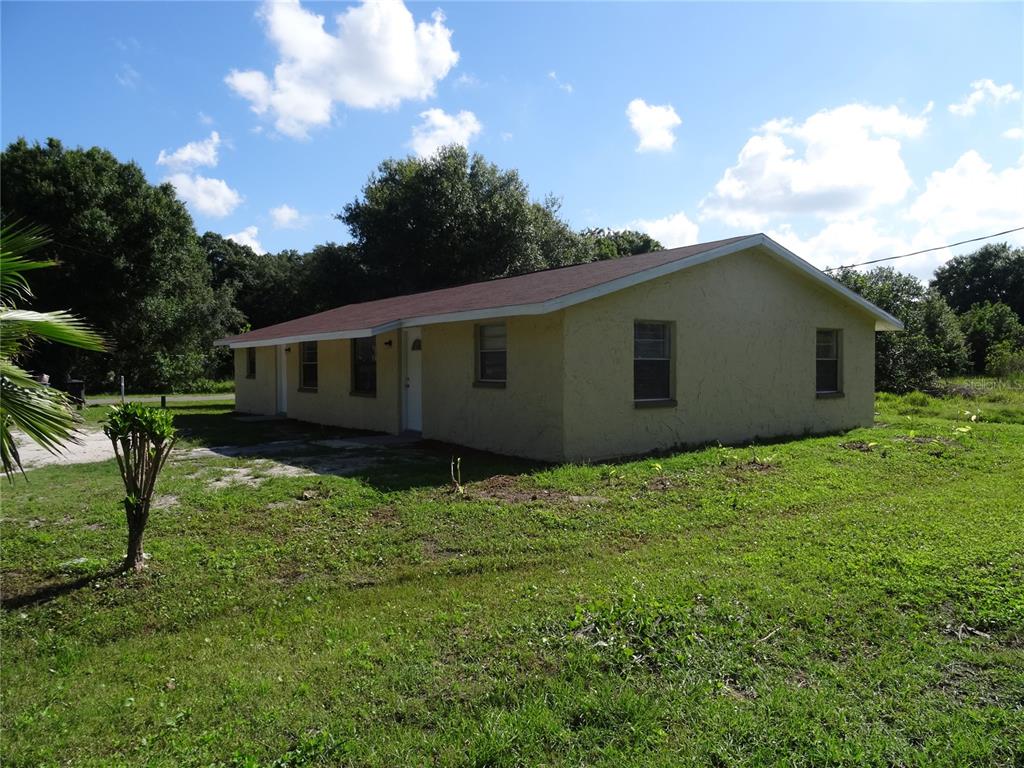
(511, 490)
(258, 471)
(664, 483)
(384, 516)
(436, 552)
(746, 470)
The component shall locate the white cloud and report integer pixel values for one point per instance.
(211, 197)
(982, 91)
(379, 57)
(671, 231)
(286, 217)
(205, 119)
(193, 154)
(506, 136)
(654, 125)
(845, 241)
(466, 80)
(970, 198)
(838, 163)
(128, 76)
(438, 128)
(562, 85)
(248, 237)
(1013, 133)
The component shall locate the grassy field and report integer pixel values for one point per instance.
(841, 600)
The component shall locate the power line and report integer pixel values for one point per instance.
(926, 250)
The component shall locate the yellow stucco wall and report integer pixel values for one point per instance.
(744, 360)
(522, 419)
(332, 403)
(258, 395)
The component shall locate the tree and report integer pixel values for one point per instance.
(931, 344)
(130, 260)
(987, 325)
(42, 413)
(332, 275)
(142, 438)
(264, 287)
(993, 273)
(605, 244)
(450, 219)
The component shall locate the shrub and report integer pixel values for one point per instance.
(1005, 359)
(142, 439)
(931, 344)
(988, 324)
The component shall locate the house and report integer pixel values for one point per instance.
(724, 341)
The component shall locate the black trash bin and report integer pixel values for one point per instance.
(76, 391)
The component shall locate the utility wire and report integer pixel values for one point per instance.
(926, 250)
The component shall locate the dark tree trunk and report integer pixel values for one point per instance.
(136, 527)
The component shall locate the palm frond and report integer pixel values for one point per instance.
(16, 241)
(59, 327)
(41, 413)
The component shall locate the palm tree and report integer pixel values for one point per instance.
(42, 413)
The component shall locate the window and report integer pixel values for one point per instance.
(491, 355)
(364, 366)
(827, 361)
(307, 366)
(250, 362)
(652, 361)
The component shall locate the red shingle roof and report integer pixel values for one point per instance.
(532, 288)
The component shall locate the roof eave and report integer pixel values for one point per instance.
(883, 320)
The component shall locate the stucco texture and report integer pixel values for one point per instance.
(522, 419)
(743, 354)
(332, 402)
(257, 395)
(743, 367)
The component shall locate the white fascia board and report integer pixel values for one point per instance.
(883, 320)
(358, 333)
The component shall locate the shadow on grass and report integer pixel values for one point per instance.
(428, 464)
(215, 425)
(49, 592)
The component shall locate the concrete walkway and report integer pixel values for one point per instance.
(92, 445)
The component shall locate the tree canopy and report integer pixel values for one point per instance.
(986, 325)
(993, 273)
(605, 244)
(931, 345)
(424, 223)
(128, 260)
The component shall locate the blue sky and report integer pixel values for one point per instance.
(845, 131)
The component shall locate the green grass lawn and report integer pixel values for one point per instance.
(841, 600)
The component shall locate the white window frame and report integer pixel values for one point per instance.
(837, 359)
(669, 327)
(303, 386)
(478, 357)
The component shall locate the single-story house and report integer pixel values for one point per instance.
(723, 341)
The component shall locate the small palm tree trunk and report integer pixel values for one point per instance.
(137, 518)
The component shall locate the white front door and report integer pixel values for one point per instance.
(412, 362)
(282, 380)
